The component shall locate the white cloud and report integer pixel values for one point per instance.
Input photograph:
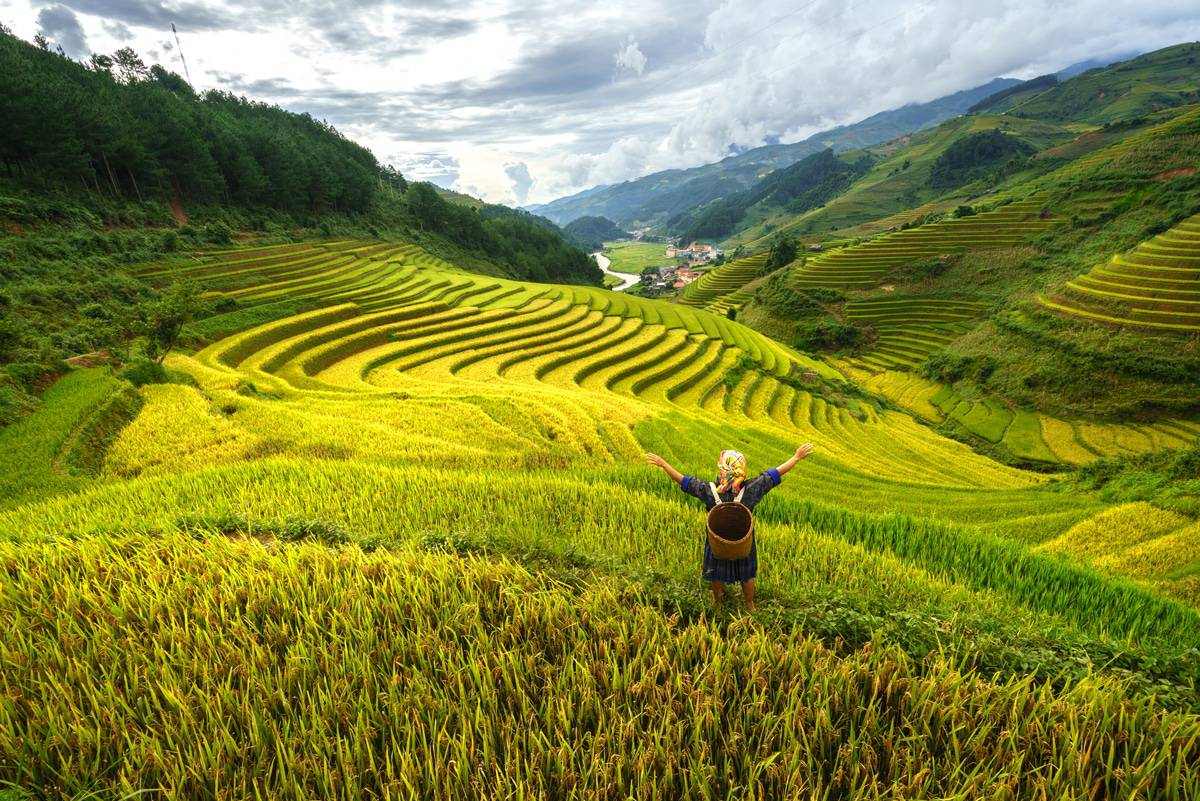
(630, 57)
(518, 173)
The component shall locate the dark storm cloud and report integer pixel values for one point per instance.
(60, 25)
(361, 39)
(196, 16)
(117, 30)
(578, 75)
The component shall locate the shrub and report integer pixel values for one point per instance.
(145, 371)
(827, 334)
(949, 368)
(218, 233)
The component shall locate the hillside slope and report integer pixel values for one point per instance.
(1151, 82)
(1007, 336)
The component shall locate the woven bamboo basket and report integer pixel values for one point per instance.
(730, 530)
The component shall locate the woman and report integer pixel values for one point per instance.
(731, 479)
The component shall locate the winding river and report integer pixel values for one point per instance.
(626, 280)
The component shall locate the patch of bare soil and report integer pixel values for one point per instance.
(91, 359)
(180, 214)
(1179, 173)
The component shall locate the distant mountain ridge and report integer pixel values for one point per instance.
(652, 199)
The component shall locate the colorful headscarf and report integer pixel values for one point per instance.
(731, 471)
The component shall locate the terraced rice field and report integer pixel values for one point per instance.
(1027, 435)
(716, 289)
(909, 329)
(1151, 149)
(582, 365)
(409, 520)
(1139, 540)
(863, 266)
(1153, 288)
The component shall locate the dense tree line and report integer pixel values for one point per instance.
(975, 156)
(530, 247)
(115, 126)
(804, 185)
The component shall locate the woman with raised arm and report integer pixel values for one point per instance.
(731, 482)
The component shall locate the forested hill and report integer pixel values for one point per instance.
(114, 129)
(119, 126)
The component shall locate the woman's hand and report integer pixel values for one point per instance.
(801, 453)
(658, 461)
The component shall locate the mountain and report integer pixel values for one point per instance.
(1006, 98)
(1092, 64)
(591, 233)
(657, 197)
(1151, 82)
(944, 165)
(806, 184)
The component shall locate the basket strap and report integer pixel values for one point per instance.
(717, 495)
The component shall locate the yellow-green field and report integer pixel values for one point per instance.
(401, 544)
(1027, 435)
(632, 258)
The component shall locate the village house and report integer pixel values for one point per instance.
(701, 253)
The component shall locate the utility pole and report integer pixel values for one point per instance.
(179, 47)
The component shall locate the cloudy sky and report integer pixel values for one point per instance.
(524, 101)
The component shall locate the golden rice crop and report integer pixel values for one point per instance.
(297, 672)
(1060, 437)
(1115, 530)
(1112, 438)
(149, 653)
(178, 429)
(1160, 556)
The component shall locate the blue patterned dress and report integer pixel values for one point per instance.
(732, 571)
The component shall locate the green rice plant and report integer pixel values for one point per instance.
(1024, 438)
(340, 674)
(40, 454)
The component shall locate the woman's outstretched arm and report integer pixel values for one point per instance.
(801, 453)
(658, 461)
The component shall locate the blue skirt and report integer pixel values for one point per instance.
(730, 571)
